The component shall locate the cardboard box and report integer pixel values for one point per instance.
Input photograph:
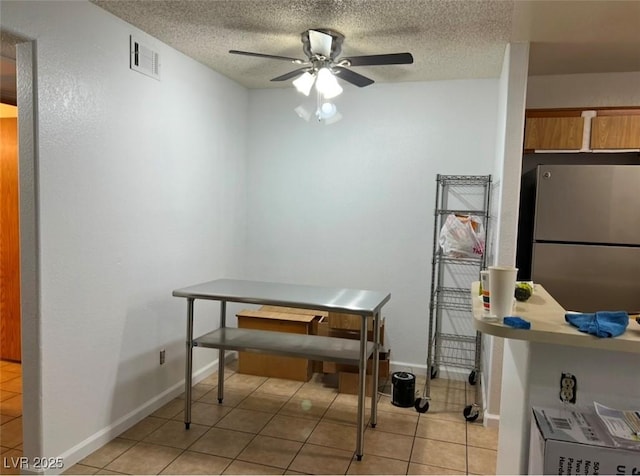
(383, 370)
(348, 375)
(348, 382)
(566, 440)
(268, 365)
(321, 316)
(295, 310)
(348, 322)
(325, 329)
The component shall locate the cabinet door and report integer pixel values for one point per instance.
(615, 132)
(10, 344)
(553, 133)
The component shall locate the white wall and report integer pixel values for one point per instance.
(491, 347)
(584, 90)
(509, 158)
(351, 204)
(141, 189)
(505, 199)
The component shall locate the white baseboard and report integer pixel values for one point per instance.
(102, 437)
(491, 420)
(420, 370)
(416, 369)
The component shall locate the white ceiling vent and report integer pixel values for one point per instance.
(144, 60)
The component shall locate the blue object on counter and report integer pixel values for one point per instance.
(516, 322)
(601, 323)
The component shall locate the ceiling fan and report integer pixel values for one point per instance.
(323, 65)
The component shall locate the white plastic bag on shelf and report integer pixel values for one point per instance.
(462, 236)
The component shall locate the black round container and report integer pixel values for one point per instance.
(404, 389)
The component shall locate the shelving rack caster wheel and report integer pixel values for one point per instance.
(473, 377)
(220, 401)
(187, 425)
(471, 412)
(359, 457)
(421, 405)
(434, 372)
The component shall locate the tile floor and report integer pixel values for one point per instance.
(273, 426)
(10, 413)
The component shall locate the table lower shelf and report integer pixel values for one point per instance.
(333, 349)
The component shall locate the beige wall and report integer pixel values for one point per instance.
(580, 90)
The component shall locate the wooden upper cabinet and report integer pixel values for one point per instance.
(615, 132)
(563, 129)
(553, 133)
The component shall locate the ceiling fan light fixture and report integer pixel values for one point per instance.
(304, 83)
(327, 84)
(333, 119)
(323, 67)
(303, 112)
(326, 110)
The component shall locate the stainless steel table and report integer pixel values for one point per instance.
(354, 301)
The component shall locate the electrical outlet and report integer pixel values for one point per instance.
(162, 357)
(568, 388)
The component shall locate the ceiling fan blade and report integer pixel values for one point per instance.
(262, 55)
(374, 60)
(320, 43)
(291, 74)
(351, 77)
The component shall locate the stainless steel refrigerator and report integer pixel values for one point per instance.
(586, 236)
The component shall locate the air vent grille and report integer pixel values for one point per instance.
(143, 59)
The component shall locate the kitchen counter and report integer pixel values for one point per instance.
(535, 359)
(549, 326)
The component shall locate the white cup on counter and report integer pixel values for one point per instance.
(503, 285)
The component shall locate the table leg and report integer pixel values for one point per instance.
(376, 369)
(189, 365)
(223, 323)
(362, 378)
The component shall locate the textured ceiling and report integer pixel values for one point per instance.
(449, 39)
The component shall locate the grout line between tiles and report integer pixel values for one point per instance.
(317, 421)
(413, 442)
(310, 433)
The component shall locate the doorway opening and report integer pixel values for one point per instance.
(19, 362)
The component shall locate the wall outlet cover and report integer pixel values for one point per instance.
(568, 388)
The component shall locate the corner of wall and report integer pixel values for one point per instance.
(29, 250)
(506, 191)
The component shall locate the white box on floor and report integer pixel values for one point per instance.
(568, 440)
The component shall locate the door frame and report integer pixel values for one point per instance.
(32, 431)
